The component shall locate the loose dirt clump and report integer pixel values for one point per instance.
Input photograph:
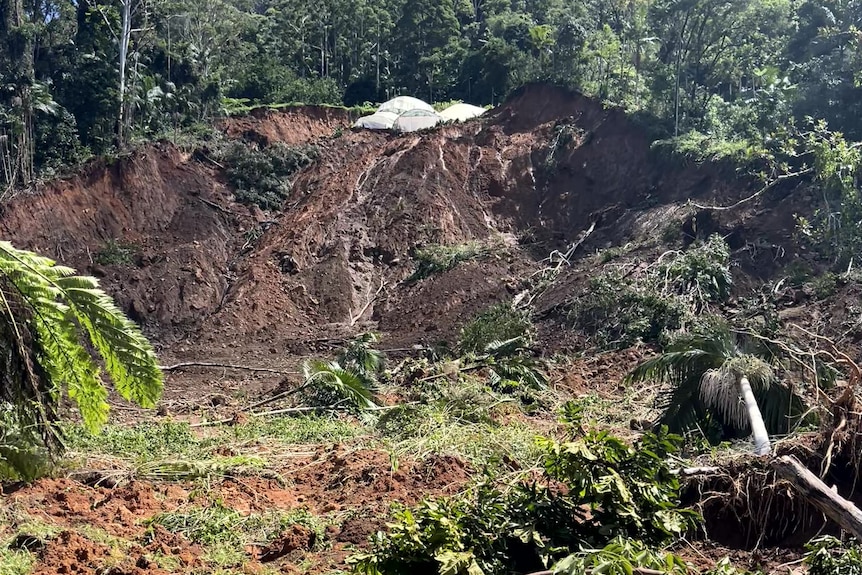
(341, 480)
(70, 553)
(296, 538)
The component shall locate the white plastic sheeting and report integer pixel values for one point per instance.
(461, 112)
(416, 120)
(377, 121)
(403, 104)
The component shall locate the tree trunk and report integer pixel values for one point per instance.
(125, 36)
(838, 509)
(762, 446)
(17, 42)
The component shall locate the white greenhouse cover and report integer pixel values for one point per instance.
(403, 104)
(417, 120)
(461, 112)
(377, 121)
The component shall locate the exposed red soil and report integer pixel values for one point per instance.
(353, 220)
(335, 260)
(292, 126)
(360, 483)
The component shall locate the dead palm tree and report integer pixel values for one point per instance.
(712, 379)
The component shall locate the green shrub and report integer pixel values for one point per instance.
(829, 556)
(619, 309)
(260, 176)
(699, 147)
(116, 253)
(702, 272)
(619, 499)
(500, 322)
(825, 285)
(435, 259)
(619, 312)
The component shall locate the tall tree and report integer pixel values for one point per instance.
(17, 75)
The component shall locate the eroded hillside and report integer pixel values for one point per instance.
(529, 178)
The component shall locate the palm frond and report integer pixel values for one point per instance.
(344, 382)
(361, 357)
(498, 348)
(49, 319)
(718, 391)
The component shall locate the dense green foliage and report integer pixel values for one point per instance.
(618, 309)
(260, 175)
(81, 77)
(828, 556)
(58, 331)
(598, 499)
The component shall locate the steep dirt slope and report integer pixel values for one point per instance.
(156, 199)
(530, 177)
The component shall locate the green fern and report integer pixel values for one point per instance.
(58, 332)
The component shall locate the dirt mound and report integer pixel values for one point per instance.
(150, 225)
(296, 538)
(343, 480)
(295, 125)
(104, 530)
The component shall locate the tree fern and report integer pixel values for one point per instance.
(58, 332)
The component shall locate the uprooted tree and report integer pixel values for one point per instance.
(713, 381)
(58, 332)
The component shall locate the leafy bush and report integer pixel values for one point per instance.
(596, 492)
(825, 285)
(435, 259)
(619, 309)
(834, 229)
(260, 176)
(500, 322)
(116, 253)
(702, 273)
(700, 147)
(828, 556)
(619, 312)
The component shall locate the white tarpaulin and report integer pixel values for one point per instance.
(461, 112)
(416, 120)
(377, 121)
(403, 104)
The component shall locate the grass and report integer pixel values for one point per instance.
(172, 451)
(143, 442)
(225, 532)
(15, 562)
(422, 431)
(300, 430)
(148, 442)
(438, 258)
